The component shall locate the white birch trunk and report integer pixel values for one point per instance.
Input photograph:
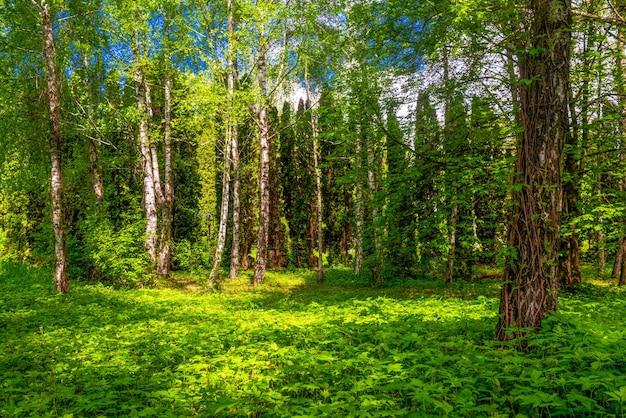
(61, 283)
(264, 168)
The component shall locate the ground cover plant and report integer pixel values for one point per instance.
(292, 348)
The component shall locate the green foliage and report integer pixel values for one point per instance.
(116, 254)
(294, 348)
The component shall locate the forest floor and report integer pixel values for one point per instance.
(293, 348)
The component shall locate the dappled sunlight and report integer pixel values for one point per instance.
(291, 347)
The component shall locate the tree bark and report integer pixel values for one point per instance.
(150, 203)
(359, 209)
(167, 206)
(61, 283)
(376, 266)
(529, 291)
(264, 168)
(454, 214)
(232, 73)
(622, 259)
(94, 153)
(318, 186)
(221, 234)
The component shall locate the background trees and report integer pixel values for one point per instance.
(416, 111)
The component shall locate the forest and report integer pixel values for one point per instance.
(312, 208)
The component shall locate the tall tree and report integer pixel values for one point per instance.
(529, 291)
(264, 159)
(61, 283)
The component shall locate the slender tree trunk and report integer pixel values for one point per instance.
(221, 234)
(570, 199)
(150, 203)
(264, 169)
(359, 209)
(619, 254)
(232, 73)
(167, 206)
(318, 184)
(620, 260)
(318, 188)
(529, 291)
(154, 155)
(373, 189)
(234, 259)
(454, 219)
(94, 153)
(622, 276)
(454, 214)
(61, 283)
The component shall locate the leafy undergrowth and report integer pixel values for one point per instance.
(292, 348)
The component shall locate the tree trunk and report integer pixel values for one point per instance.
(376, 266)
(454, 220)
(264, 169)
(360, 212)
(149, 197)
(318, 186)
(167, 206)
(619, 254)
(221, 234)
(454, 214)
(96, 178)
(232, 74)
(234, 259)
(622, 276)
(61, 283)
(530, 286)
(620, 260)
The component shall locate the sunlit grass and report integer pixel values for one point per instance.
(291, 347)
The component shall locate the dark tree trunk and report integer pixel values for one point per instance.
(530, 286)
(61, 283)
(622, 276)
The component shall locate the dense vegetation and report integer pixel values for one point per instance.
(294, 348)
(157, 158)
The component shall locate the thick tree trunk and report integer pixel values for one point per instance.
(264, 171)
(530, 286)
(61, 283)
(167, 206)
(149, 197)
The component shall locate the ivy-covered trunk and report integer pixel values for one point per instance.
(529, 291)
